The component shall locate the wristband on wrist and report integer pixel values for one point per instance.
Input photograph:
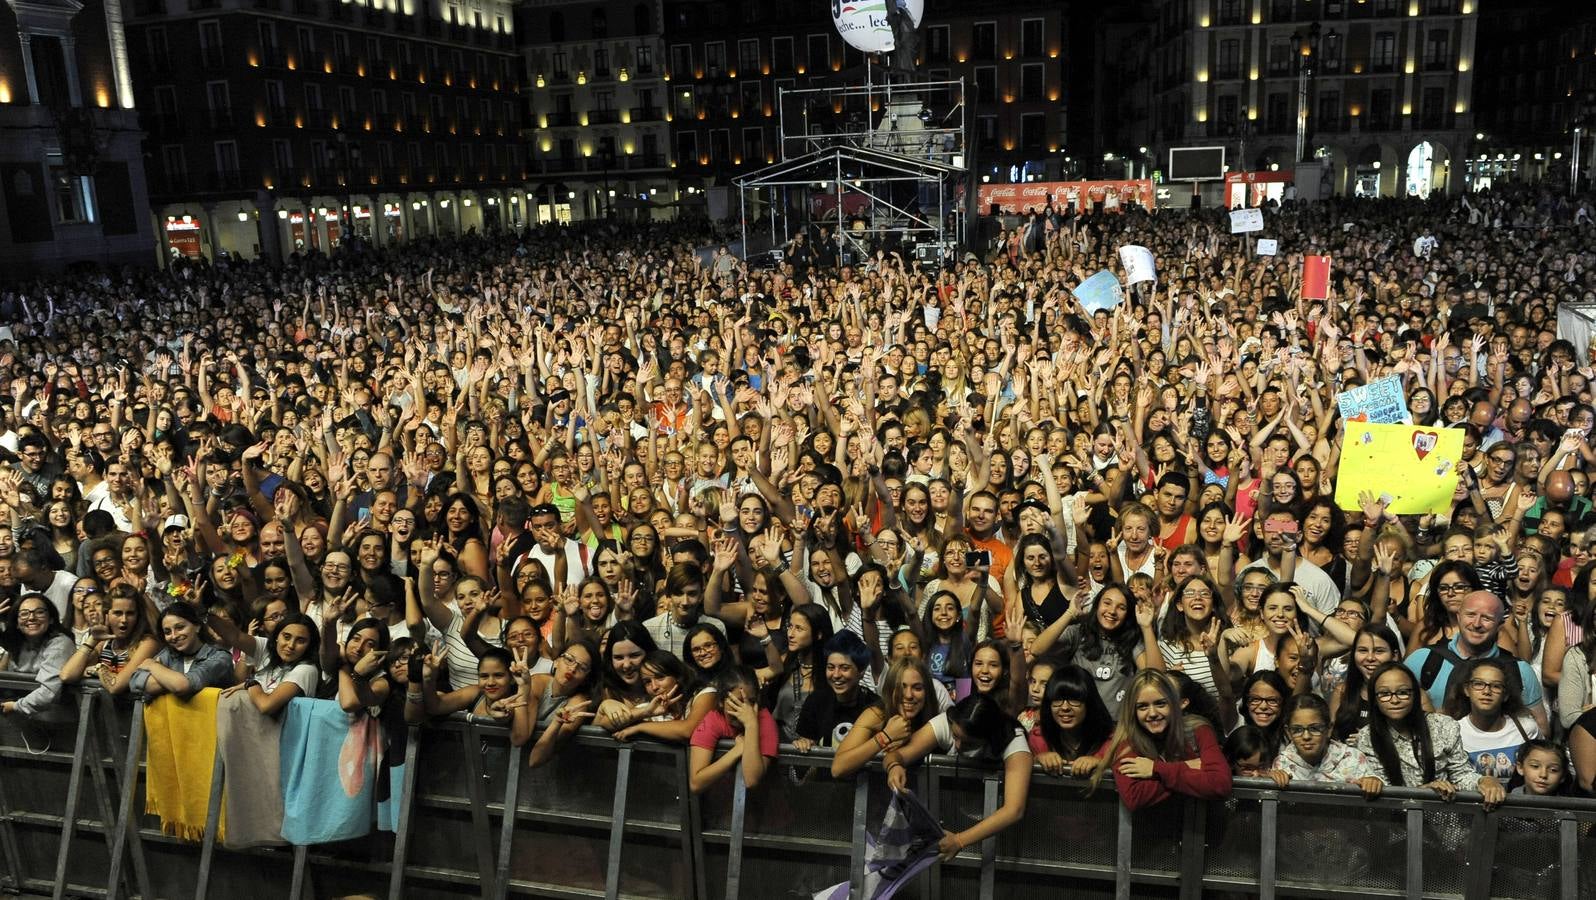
(882, 740)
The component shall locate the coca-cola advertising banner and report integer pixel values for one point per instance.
(1015, 199)
(1255, 188)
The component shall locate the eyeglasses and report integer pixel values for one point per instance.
(1456, 587)
(1350, 614)
(581, 668)
(1495, 687)
(702, 650)
(335, 567)
(1264, 702)
(1071, 703)
(32, 615)
(1203, 594)
(1398, 694)
(1253, 588)
(1316, 730)
(104, 562)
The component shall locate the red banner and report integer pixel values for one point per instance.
(1258, 190)
(183, 236)
(1018, 198)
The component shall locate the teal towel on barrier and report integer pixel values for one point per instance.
(330, 763)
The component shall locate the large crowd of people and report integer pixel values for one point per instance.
(585, 477)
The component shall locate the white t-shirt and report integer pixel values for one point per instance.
(1496, 752)
(270, 675)
(1321, 588)
(668, 635)
(943, 731)
(60, 593)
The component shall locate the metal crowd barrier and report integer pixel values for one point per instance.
(609, 820)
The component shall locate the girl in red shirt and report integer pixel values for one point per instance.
(1157, 750)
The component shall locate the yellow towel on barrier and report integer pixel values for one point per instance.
(180, 754)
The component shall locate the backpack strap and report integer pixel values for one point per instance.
(1440, 652)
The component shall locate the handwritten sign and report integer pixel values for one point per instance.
(1380, 401)
(1268, 246)
(1243, 221)
(1412, 468)
(1138, 263)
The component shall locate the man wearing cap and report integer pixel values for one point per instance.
(1479, 622)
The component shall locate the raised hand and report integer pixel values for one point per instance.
(1384, 559)
(625, 599)
(725, 554)
(1236, 528)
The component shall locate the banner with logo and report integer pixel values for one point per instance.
(1016, 199)
(183, 235)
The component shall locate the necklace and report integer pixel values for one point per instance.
(805, 671)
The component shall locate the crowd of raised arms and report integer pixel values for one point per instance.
(581, 476)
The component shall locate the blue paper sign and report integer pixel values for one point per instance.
(1099, 293)
(1380, 401)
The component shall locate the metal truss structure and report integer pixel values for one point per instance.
(884, 165)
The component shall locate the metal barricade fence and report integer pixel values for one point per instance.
(611, 819)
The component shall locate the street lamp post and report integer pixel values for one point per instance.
(1304, 50)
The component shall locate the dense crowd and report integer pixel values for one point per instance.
(583, 476)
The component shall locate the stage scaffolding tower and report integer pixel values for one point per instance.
(884, 164)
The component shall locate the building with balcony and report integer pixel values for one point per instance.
(1536, 82)
(596, 124)
(1383, 88)
(723, 90)
(282, 125)
(71, 174)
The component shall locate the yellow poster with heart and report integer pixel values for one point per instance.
(1412, 467)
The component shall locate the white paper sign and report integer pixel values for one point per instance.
(1268, 246)
(1138, 263)
(1243, 221)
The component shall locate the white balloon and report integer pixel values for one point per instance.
(864, 26)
